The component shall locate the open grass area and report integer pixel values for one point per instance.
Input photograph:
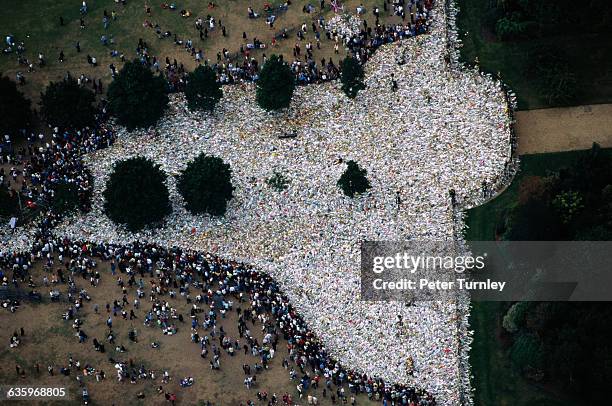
(37, 24)
(495, 381)
(589, 55)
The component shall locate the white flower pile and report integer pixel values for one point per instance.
(345, 25)
(441, 129)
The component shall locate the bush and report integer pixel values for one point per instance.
(202, 91)
(137, 97)
(136, 194)
(206, 185)
(515, 317)
(67, 105)
(14, 108)
(554, 76)
(66, 198)
(277, 181)
(526, 353)
(275, 85)
(351, 76)
(353, 180)
(9, 205)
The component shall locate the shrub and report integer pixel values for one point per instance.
(136, 194)
(526, 353)
(206, 185)
(353, 180)
(68, 105)
(555, 79)
(277, 181)
(137, 97)
(202, 91)
(515, 317)
(275, 85)
(65, 197)
(9, 205)
(14, 108)
(351, 76)
(568, 203)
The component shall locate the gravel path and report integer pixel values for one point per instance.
(564, 129)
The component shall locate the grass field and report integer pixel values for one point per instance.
(495, 382)
(590, 56)
(37, 24)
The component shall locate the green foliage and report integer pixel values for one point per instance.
(136, 194)
(353, 180)
(202, 91)
(278, 181)
(9, 205)
(567, 204)
(206, 185)
(66, 198)
(512, 27)
(67, 105)
(556, 80)
(14, 108)
(526, 353)
(532, 221)
(577, 204)
(515, 317)
(137, 97)
(351, 76)
(275, 85)
(530, 18)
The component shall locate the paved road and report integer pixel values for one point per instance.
(564, 129)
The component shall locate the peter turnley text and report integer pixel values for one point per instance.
(436, 284)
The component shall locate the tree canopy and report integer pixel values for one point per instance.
(9, 205)
(66, 197)
(565, 344)
(137, 97)
(206, 185)
(351, 76)
(202, 90)
(136, 194)
(275, 85)
(67, 105)
(353, 180)
(574, 203)
(15, 112)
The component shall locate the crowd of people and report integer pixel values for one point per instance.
(211, 287)
(359, 40)
(420, 129)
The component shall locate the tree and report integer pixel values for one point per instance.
(65, 197)
(515, 317)
(9, 205)
(206, 185)
(136, 194)
(275, 85)
(351, 76)
(353, 180)
(67, 105)
(15, 112)
(526, 352)
(555, 78)
(137, 97)
(203, 92)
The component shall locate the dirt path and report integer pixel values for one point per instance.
(564, 129)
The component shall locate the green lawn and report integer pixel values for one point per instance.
(495, 382)
(590, 56)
